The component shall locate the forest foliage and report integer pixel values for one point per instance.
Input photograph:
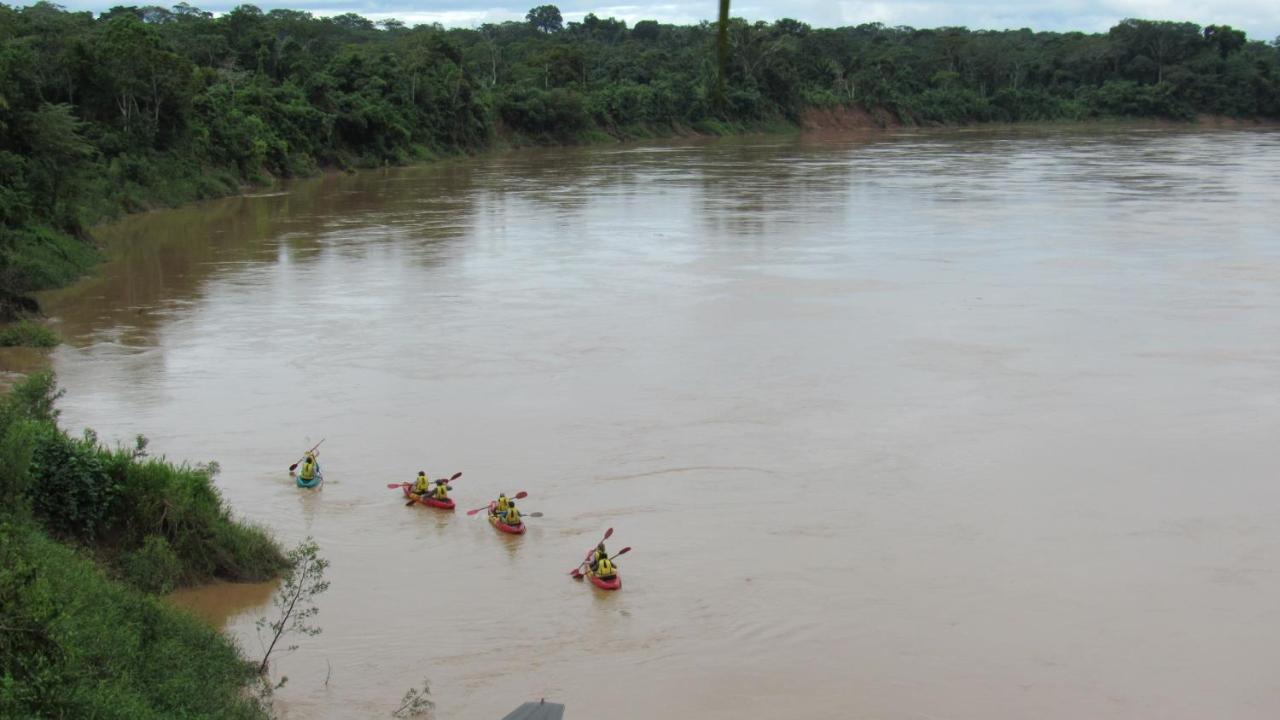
(145, 106)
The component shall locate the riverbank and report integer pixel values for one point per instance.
(90, 539)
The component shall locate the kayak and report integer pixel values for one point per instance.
(314, 482)
(430, 501)
(612, 583)
(494, 521)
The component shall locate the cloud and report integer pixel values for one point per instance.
(1260, 18)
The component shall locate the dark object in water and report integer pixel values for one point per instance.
(541, 710)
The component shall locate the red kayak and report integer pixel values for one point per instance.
(446, 504)
(612, 583)
(494, 521)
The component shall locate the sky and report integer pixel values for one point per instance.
(1259, 18)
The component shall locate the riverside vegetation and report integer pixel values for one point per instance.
(89, 536)
(145, 106)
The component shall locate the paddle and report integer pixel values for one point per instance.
(518, 496)
(304, 456)
(574, 572)
(577, 574)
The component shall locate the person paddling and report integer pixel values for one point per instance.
(421, 484)
(511, 516)
(310, 466)
(500, 507)
(596, 554)
(441, 491)
(604, 568)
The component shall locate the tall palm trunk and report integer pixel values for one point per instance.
(722, 55)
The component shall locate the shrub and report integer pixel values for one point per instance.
(180, 504)
(122, 503)
(38, 258)
(557, 114)
(77, 645)
(153, 568)
(27, 333)
(70, 490)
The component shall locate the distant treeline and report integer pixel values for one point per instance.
(142, 106)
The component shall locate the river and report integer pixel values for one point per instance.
(958, 424)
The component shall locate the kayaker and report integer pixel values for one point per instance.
(421, 485)
(500, 508)
(596, 554)
(512, 515)
(604, 568)
(442, 490)
(309, 467)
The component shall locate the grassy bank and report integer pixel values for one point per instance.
(76, 644)
(89, 536)
(27, 333)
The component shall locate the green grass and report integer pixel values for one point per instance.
(75, 644)
(40, 258)
(27, 333)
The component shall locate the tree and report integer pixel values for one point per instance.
(1163, 43)
(722, 55)
(1225, 38)
(545, 18)
(295, 600)
(645, 31)
(58, 151)
(141, 72)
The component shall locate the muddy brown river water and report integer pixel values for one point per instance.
(972, 425)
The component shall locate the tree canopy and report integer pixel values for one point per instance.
(143, 105)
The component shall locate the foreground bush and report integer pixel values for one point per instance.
(27, 333)
(133, 512)
(74, 644)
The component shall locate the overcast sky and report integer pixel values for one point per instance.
(1260, 18)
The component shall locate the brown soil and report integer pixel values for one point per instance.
(1223, 121)
(847, 118)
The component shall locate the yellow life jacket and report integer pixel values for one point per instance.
(308, 471)
(422, 484)
(503, 504)
(442, 491)
(605, 568)
(512, 516)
